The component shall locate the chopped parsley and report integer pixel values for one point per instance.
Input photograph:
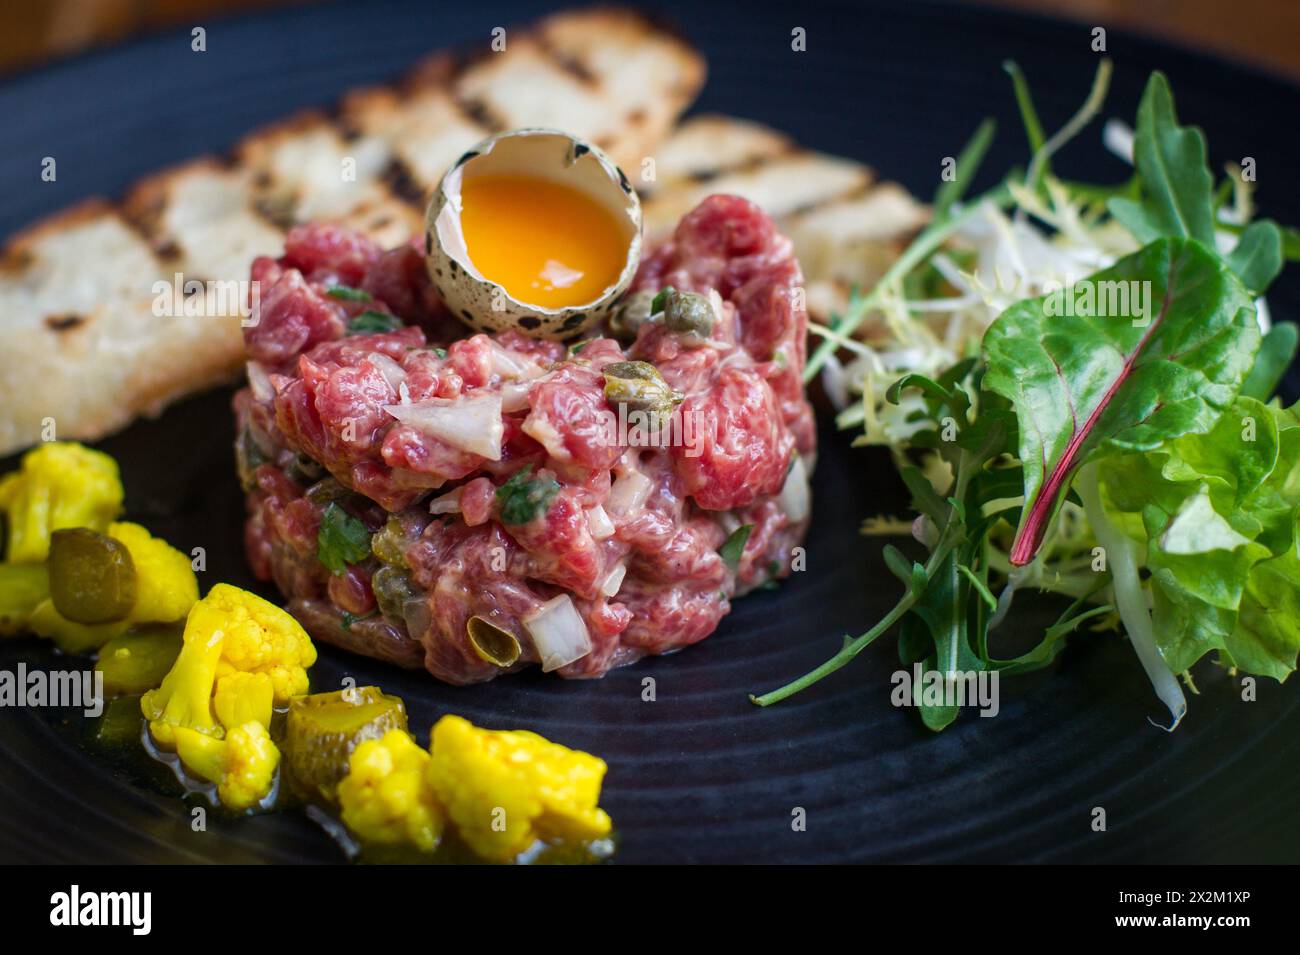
(660, 301)
(371, 321)
(347, 293)
(522, 497)
(734, 546)
(341, 540)
(440, 352)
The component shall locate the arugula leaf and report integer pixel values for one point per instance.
(372, 321)
(733, 548)
(522, 497)
(1084, 385)
(967, 165)
(1257, 259)
(1177, 189)
(341, 540)
(1218, 514)
(346, 293)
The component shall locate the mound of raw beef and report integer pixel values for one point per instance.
(630, 531)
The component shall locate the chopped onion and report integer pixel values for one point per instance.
(514, 396)
(599, 523)
(472, 423)
(393, 373)
(614, 580)
(629, 493)
(558, 633)
(796, 499)
(259, 382)
(508, 365)
(448, 503)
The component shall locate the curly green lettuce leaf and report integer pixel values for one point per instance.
(1085, 382)
(1217, 514)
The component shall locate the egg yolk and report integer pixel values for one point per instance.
(545, 243)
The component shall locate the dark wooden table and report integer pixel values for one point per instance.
(1263, 32)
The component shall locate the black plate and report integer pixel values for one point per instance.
(699, 774)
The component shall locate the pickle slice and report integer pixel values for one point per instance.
(92, 576)
(139, 659)
(323, 729)
(494, 644)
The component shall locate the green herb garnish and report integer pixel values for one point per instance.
(347, 293)
(660, 301)
(522, 497)
(733, 548)
(350, 618)
(341, 540)
(369, 322)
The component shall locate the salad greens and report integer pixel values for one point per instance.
(1097, 425)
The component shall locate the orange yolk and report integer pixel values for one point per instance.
(546, 244)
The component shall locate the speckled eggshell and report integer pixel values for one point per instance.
(538, 152)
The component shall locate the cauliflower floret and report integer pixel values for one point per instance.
(184, 700)
(506, 789)
(243, 698)
(60, 484)
(166, 589)
(22, 589)
(386, 796)
(239, 656)
(259, 638)
(165, 585)
(242, 765)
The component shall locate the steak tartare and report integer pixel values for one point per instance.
(475, 504)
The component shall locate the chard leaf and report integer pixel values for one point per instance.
(1177, 189)
(1089, 384)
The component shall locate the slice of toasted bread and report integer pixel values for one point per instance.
(82, 345)
(79, 340)
(846, 226)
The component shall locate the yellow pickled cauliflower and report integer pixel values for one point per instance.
(386, 797)
(259, 638)
(506, 789)
(242, 765)
(243, 698)
(239, 655)
(166, 589)
(60, 484)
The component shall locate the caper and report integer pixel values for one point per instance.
(389, 543)
(92, 576)
(494, 644)
(392, 588)
(327, 491)
(248, 458)
(687, 313)
(304, 470)
(638, 386)
(631, 314)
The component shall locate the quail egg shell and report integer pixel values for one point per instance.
(534, 230)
